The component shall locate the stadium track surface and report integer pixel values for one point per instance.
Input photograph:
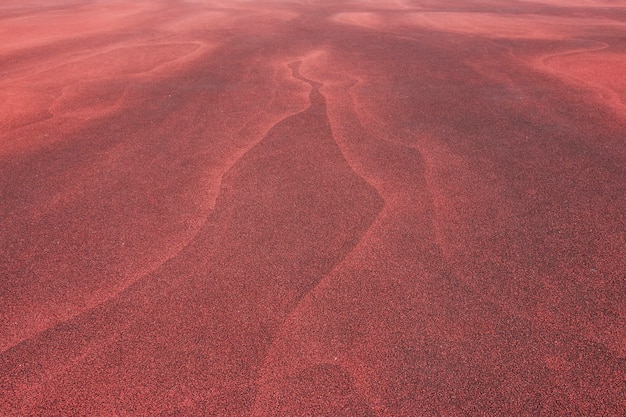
(313, 208)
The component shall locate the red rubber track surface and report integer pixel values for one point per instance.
(313, 208)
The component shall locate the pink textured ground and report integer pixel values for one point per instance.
(343, 208)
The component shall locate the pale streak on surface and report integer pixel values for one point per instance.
(250, 134)
(402, 200)
(57, 25)
(606, 86)
(489, 25)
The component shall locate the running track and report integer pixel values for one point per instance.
(313, 208)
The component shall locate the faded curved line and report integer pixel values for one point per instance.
(276, 340)
(89, 112)
(172, 286)
(437, 241)
(316, 86)
(140, 14)
(600, 46)
(201, 48)
(437, 235)
(49, 374)
(427, 190)
(607, 95)
(316, 95)
(317, 98)
(172, 256)
(18, 126)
